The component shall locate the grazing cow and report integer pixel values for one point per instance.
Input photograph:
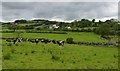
(19, 39)
(32, 40)
(27, 39)
(60, 43)
(54, 41)
(14, 40)
(8, 40)
(36, 41)
(44, 41)
(48, 40)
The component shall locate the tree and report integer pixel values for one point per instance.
(69, 40)
(93, 21)
(116, 28)
(13, 27)
(104, 29)
(20, 21)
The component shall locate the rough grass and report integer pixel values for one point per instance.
(51, 56)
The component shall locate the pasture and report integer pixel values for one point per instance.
(82, 36)
(52, 56)
(28, 55)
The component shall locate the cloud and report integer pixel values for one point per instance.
(65, 11)
(60, 0)
(0, 11)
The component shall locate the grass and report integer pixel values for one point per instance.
(51, 56)
(82, 36)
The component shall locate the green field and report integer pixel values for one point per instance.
(51, 56)
(68, 57)
(82, 36)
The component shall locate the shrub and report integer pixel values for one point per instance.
(50, 51)
(96, 30)
(62, 61)
(54, 57)
(7, 56)
(17, 44)
(26, 53)
(83, 30)
(98, 61)
(22, 61)
(69, 40)
(32, 51)
(12, 50)
(95, 54)
(74, 62)
(89, 30)
(115, 56)
(10, 44)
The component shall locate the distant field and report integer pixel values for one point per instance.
(51, 56)
(82, 36)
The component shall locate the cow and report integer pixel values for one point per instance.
(54, 41)
(14, 40)
(36, 41)
(31, 40)
(8, 40)
(60, 43)
(44, 41)
(19, 39)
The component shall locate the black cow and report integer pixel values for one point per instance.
(31, 40)
(54, 41)
(14, 40)
(60, 43)
(8, 40)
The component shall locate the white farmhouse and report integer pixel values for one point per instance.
(68, 27)
(53, 26)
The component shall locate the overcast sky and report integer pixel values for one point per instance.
(60, 11)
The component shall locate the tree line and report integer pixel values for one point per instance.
(108, 27)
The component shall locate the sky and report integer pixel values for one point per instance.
(59, 11)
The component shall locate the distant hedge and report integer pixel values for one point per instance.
(54, 32)
(7, 31)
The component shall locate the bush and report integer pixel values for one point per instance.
(83, 30)
(13, 50)
(105, 37)
(69, 40)
(89, 30)
(96, 30)
(9, 44)
(32, 51)
(26, 53)
(7, 56)
(118, 33)
(54, 57)
(17, 44)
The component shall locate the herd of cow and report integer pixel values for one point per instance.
(59, 42)
(37, 40)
